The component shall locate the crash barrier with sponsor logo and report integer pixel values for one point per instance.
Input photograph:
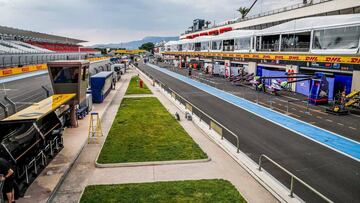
(280, 57)
(20, 70)
(97, 58)
(31, 68)
(136, 51)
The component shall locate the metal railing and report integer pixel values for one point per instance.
(292, 179)
(11, 60)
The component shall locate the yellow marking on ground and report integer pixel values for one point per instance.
(352, 128)
(319, 117)
(312, 122)
(328, 120)
(294, 109)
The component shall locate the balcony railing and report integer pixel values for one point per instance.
(263, 14)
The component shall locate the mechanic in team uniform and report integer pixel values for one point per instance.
(8, 177)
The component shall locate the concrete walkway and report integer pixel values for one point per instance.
(221, 165)
(138, 95)
(74, 141)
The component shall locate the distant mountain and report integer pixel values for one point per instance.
(135, 44)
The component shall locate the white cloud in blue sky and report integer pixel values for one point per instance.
(109, 21)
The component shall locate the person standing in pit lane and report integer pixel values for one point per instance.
(8, 177)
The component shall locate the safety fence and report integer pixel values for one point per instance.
(16, 60)
(293, 178)
(37, 67)
(233, 138)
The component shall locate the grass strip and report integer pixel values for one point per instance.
(134, 87)
(143, 130)
(176, 191)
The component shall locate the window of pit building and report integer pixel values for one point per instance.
(189, 47)
(268, 43)
(174, 48)
(337, 38)
(65, 74)
(205, 46)
(296, 42)
(197, 46)
(242, 43)
(216, 45)
(186, 47)
(180, 47)
(229, 45)
(192, 46)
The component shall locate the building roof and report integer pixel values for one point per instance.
(36, 36)
(305, 24)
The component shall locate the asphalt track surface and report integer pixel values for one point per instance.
(347, 126)
(331, 173)
(24, 91)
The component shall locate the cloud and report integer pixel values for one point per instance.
(116, 21)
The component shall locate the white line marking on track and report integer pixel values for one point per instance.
(352, 128)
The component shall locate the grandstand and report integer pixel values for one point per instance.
(21, 47)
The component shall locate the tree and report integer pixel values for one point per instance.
(243, 11)
(148, 46)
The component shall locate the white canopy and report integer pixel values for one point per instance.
(234, 34)
(310, 23)
(201, 39)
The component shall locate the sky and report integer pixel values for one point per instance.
(115, 21)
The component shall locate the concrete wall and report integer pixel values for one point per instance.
(356, 80)
(252, 67)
